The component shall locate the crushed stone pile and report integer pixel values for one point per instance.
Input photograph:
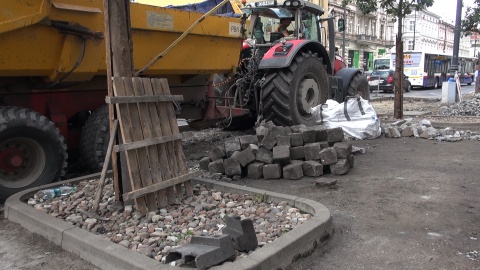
(467, 107)
(159, 231)
(423, 129)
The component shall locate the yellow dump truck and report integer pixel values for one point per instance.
(52, 77)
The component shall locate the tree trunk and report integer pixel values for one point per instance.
(398, 103)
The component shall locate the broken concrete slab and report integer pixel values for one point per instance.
(203, 251)
(241, 232)
(325, 182)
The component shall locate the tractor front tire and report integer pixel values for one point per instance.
(94, 140)
(359, 85)
(32, 151)
(289, 93)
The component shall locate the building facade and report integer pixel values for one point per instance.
(367, 36)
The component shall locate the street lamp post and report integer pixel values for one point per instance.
(414, 27)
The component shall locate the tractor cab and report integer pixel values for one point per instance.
(267, 17)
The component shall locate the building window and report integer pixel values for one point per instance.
(410, 45)
(412, 25)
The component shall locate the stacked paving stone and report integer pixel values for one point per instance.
(276, 152)
(424, 129)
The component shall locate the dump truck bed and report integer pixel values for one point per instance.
(63, 40)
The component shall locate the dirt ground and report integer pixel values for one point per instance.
(407, 204)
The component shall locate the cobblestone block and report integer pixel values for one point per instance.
(265, 156)
(283, 141)
(392, 132)
(216, 166)
(298, 128)
(281, 155)
(217, 153)
(335, 135)
(245, 157)
(234, 154)
(297, 152)
(293, 171)
(324, 145)
(204, 163)
(321, 135)
(261, 132)
(312, 168)
(268, 142)
(296, 139)
(328, 156)
(232, 167)
(351, 160)
(255, 170)
(275, 131)
(407, 132)
(254, 148)
(312, 151)
(272, 171)
(232, 145)
(339, 168)
(343, 149)
(309, 136)
(246, 140)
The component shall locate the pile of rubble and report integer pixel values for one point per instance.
(424, 129)
(467, 107)
(275, 151)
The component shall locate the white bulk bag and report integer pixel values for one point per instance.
(355, 116)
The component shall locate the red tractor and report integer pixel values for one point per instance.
(284, 74)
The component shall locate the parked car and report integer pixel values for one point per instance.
(384, 80)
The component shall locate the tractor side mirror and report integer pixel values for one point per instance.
(341, 25)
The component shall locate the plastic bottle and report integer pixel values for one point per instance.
(57, 192)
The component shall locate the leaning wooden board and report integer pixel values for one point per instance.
(152, 142)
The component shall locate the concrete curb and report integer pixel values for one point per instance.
(107, 255)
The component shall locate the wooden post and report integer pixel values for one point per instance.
(119, 63)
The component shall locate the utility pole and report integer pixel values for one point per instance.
(456, 39)
(344, 5)
(119, 57)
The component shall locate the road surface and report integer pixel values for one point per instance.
(425, 93)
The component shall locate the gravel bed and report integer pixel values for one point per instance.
(159, 231)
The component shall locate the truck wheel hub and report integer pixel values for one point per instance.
(308, 96)
(21, 162)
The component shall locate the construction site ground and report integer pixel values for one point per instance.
(408, 203)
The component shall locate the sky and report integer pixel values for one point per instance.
(447, 8)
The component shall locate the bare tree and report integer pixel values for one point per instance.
(399, 9)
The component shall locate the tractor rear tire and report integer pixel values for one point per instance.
(289, 93)
(32, 151)
(94, 140)
(359, 85)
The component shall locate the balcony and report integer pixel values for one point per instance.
(363, 39)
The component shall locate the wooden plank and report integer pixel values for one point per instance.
(164, 184)
(159, 171)
(178, 145)
(147, 142)
(137, 99)
(125, 128)
(148, 133)
(166, 130)
(106, 163)
(134, 111)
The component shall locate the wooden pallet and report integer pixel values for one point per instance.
(152, 142)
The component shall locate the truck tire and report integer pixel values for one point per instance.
(94, 140)
(289, 93)
(359, 85)
(32, 151)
